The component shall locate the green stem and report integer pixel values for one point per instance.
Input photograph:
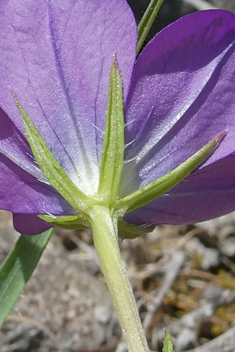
(147, 21)
(106, 244)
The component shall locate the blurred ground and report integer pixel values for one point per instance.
(183, 278)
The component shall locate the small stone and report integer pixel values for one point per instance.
(102, 314)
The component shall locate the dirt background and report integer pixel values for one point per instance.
(183, 278)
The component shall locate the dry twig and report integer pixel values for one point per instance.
(191, 319)
(186, 327)
(151, 269)
(223, 343)
(38, 325)
(171, 273)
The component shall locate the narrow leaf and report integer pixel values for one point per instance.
(147, 21)
(168, 345)
(157, 188)
(49, 165)
(113, 148)
(18, 268)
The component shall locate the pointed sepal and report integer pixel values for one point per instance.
(155, 189)
(69, 222)
(113, 148)
(130, 231)
(50, 167)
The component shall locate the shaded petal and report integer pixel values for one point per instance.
(15, 147)
(181, 96)
(29, 224)
(20, 192)
(56, 56)
(205, 194)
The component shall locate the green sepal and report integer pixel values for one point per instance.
(18, 268)
(69, 222)
(130, 231)
(74, 222)
(113, 148)
(155, 189)
(168, 345)
(49, 165)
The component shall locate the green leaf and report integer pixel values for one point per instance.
(129, 231)
(70, 222)
(18, 268)
(113, 148)
(147, 21)
(155, 189)
(49, 165)
(167, 345)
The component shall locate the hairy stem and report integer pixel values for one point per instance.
(106, 244)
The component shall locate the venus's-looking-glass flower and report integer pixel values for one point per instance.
(179, 95)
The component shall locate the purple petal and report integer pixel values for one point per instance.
(21, 192)
(16, 148)
(29, 224)
(181, 96)
(56, 56)
(205, 194)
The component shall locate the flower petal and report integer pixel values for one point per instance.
(56, 56)
(205, 194)
(20, 192)
(15, 147)
(181, 96)
(28, 224)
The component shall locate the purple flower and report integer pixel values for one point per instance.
(179, 94)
